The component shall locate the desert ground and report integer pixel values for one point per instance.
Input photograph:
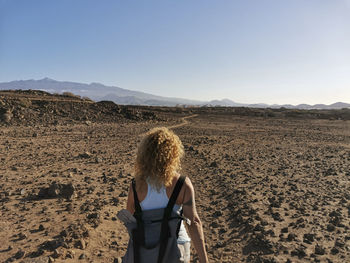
(269, 187)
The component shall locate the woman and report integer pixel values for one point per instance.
(157, 163)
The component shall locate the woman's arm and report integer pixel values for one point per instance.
(130, 203)
(195, 229)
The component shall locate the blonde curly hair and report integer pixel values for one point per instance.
(158, 157)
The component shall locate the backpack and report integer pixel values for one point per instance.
(153, 238)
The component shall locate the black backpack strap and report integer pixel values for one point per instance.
(138, 210)
(174, 196)
(138, 234)
(179, 225)
(164, 233)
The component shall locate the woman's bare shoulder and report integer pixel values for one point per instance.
(188, 184)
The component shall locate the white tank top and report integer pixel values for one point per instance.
(156, 200)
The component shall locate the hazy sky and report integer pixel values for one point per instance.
(280, 51)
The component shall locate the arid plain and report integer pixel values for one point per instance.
(269, 188)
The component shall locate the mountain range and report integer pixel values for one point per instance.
(99, 92)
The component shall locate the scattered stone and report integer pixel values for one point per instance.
(56, 253)
(299, 252)
(82, 256)
(70, 254)
(213, 164)
(330, 227)
(291, 237)
(334, 251)
(319, 250)
(51, 245)
(80, 244)
(58, 190)
(123, 194)
(85, 155)
(309, 238)
(19, 254)
(22, 236)
(284, 230)
(339, 243)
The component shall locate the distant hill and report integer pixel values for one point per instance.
(96, 91)
(99, 92)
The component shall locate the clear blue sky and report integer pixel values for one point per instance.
(270, 51)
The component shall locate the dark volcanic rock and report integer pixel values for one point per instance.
(58, 190)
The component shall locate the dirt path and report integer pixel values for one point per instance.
(183, 123)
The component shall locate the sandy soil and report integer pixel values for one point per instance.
(267, 189)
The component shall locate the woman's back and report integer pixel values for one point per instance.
(152, 198)
(156, 198)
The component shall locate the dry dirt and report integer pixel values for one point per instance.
(268, 189)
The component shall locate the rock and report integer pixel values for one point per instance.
(115, 201)
(284, 230)
(43, 193)
(309, 238)
(276, 216)
(38, 253)
(80, 244)
(56, 253)
(217, 214)
(7, 116)
(299, 252)
(334, 251)
(51, 245)
(70, 254)
(41, 227)
(213, 164)
(58, 190)
(123, 194)
(23, 192)
(82, 256)
(214, 224)
(19, 254)
(335, 214)
(85, 155)
(22, 236)
(319, 250)
(68, 191)
(53, 190)
(339, 243)
(93, 216)
(291, 237)
(330, 227)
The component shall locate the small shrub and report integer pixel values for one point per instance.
(70, 94)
